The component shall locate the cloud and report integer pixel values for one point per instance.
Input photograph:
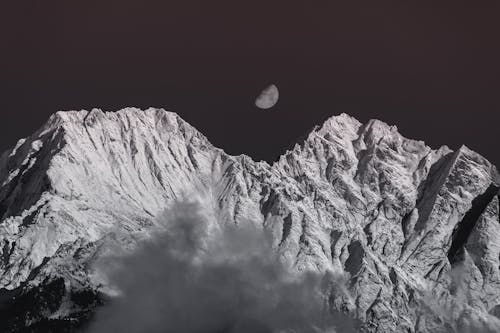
(454, 309)
(194, 275)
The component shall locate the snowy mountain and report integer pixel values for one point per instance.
(417, 230)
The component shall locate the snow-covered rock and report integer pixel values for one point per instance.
(417, 230)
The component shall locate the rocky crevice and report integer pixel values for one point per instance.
(287, 226)
(466, 225)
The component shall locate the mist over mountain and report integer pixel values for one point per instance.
(413, 232)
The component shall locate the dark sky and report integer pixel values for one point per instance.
(430, 67)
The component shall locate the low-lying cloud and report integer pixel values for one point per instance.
(196, 276)
(455, 309)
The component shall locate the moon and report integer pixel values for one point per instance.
(267, 98)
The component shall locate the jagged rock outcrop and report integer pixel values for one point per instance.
(417, 230)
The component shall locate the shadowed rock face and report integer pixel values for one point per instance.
(416, 229)
(464, 228)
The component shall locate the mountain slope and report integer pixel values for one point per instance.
(399, 217)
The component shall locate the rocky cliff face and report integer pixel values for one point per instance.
(417, 230)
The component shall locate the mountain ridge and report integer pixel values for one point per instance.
(355, 198)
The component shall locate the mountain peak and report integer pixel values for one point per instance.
(128, 115)
(342, 124)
